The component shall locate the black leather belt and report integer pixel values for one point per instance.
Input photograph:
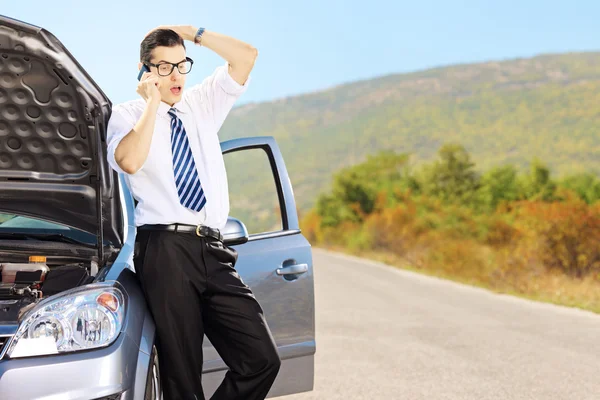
(198, 230)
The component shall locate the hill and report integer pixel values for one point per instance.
(502, 112)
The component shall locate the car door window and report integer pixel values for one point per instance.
(253, 195)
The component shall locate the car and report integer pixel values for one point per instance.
(73, 321)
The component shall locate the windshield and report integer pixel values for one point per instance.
(12, 223)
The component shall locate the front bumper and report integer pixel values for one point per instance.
(94, 374)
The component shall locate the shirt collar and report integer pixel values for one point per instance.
(163, 108)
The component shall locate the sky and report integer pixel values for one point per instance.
(311, 45)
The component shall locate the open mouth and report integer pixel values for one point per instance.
(176, 90)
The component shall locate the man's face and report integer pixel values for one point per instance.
(171, 86)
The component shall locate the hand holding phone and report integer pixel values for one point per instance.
(143, 70)
(148, 88)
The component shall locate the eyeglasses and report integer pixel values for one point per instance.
(166, 68)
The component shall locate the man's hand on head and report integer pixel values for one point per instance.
(187, 32)
(239, 55)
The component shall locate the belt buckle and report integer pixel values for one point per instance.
(198, 233)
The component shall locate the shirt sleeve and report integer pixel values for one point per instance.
(121, 122)
(218, 93)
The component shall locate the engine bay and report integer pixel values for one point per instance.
(25, 282)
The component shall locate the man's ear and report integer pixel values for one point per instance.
(140, 66)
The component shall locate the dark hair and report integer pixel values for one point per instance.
(158, 37)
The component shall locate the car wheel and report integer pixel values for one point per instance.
(153, 388)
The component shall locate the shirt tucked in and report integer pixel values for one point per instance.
(202, 110)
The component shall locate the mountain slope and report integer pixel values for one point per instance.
(502, 112)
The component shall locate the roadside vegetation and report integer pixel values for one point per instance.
(526, 234)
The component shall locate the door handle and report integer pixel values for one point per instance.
(293, 269)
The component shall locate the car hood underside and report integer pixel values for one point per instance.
(53, 119)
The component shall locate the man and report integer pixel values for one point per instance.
(167, 147)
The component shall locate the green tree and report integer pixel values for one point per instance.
(385, 170)
(497, 185)
(355, 189)
(352, 190)
(538, 185)
(329, 209)
(452, 177)
(586, 186)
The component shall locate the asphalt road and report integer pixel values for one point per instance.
(385, 333)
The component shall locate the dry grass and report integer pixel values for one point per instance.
(541, 251)
(550, 287)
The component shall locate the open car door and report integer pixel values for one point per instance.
(276, 261)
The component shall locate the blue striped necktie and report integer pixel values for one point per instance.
(187, 181)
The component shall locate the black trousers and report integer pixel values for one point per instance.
(192, 288)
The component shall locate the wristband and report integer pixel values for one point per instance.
(198, 37)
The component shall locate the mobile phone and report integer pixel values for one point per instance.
(142, 71)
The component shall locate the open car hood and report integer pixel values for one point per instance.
(53, 120)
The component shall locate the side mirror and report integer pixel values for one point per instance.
(235, 232)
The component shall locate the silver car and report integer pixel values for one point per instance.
(73, 320)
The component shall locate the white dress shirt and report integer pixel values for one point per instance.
(202, 110)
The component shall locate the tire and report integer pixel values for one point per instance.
(153, 386)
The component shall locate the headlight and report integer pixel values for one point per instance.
(83, 318)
